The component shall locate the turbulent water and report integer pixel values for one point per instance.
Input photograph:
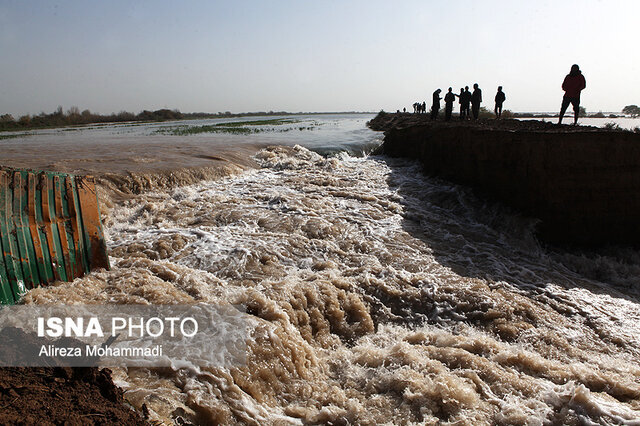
(376, 295)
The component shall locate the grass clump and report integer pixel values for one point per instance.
(612, 126)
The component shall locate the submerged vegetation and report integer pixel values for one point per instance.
(193, 130)
(14, 135)
(236, 127)
(273, 122)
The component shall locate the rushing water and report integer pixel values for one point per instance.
(377, 295)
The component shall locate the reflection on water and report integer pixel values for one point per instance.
(376, 295)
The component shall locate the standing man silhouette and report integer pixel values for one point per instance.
(465, 99)
(572, 85)
(476, 99)
(449, 98)
(500, 98)
(436, 104)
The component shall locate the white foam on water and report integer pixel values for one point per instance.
(377, 295)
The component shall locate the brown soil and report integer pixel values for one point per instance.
(57, 396)
(385, 121)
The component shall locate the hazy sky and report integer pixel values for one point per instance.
(301, 55)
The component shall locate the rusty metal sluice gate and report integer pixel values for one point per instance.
(50, 230)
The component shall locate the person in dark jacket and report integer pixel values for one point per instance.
(436, 104)
(449, 98)
(572, 85)
(500, 98)
(476, 99)
(465, 100)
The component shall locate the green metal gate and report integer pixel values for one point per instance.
(50, 230)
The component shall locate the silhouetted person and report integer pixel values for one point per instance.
(476, 99)
(500, 98)
(449, 98)
(424, 107)
(436, 104)
(403, 110)
(465, 100)
(460, 102)
(572, 85)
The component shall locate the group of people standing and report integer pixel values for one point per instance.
(469, 103)
(419, 108)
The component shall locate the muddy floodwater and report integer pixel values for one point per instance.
(375, 294)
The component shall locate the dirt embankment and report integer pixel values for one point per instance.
(582, 182)
(57, 395)
(386, 121)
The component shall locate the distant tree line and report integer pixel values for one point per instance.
(74, 116)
